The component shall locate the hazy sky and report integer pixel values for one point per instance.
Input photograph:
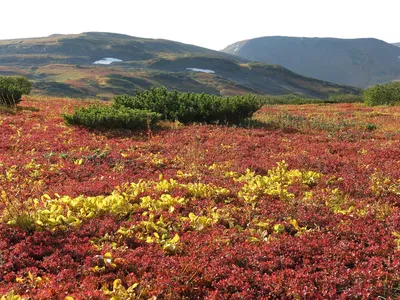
(209, 23)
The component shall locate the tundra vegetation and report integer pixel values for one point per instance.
(383, 94)
(158, 103)
(304, 205)
(12, 88)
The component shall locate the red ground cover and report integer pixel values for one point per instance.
(327, 226)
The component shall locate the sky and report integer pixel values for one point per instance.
(213, 24)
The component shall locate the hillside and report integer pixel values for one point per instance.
(396, 44)
(104, 64)
(355, 62)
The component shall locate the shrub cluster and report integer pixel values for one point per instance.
(112, 118)
(344, 98)
(382, 94)
(304, 99)
(135, 111)
(12, 88)
(148, 107)
(191, 107)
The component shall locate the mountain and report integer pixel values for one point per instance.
(355, 62)
(96, 64)
(396, 44)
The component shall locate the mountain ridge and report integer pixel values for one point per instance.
(357, 62)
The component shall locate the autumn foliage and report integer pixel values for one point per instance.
(303, 203)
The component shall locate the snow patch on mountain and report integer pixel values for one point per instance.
(107, 61)
(201, 70)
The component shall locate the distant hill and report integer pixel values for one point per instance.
(355, 62)
(396, 44)
(100, 65)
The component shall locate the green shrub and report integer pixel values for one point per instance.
(191, 107)
(105, 117)
(371, 126)
(382, 94)
(289, 99)
(298, 99)
(345, 98)
(12, 88)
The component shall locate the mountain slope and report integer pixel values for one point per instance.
(396, 44)
(77, 66)
(88, 47)
(355, 62)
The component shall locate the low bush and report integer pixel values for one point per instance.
(191, 107)
(12, 88)
(345, 98)
(289, 99)
(298, 99)
(382, 94)
(105, 117)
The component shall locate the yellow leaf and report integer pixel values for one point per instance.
(117, 284)
(169, 247)
(122, 231)
(149, 240)
(105, 289)
(30, 275)
(279, 228)
(175, 239)
(90, 215)
(69, 298)
(264, 225)
(253, 239)
(294, 223)
(61, 219)
(192, 217)
(19, 280)
(47, 197)
(132, 287)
